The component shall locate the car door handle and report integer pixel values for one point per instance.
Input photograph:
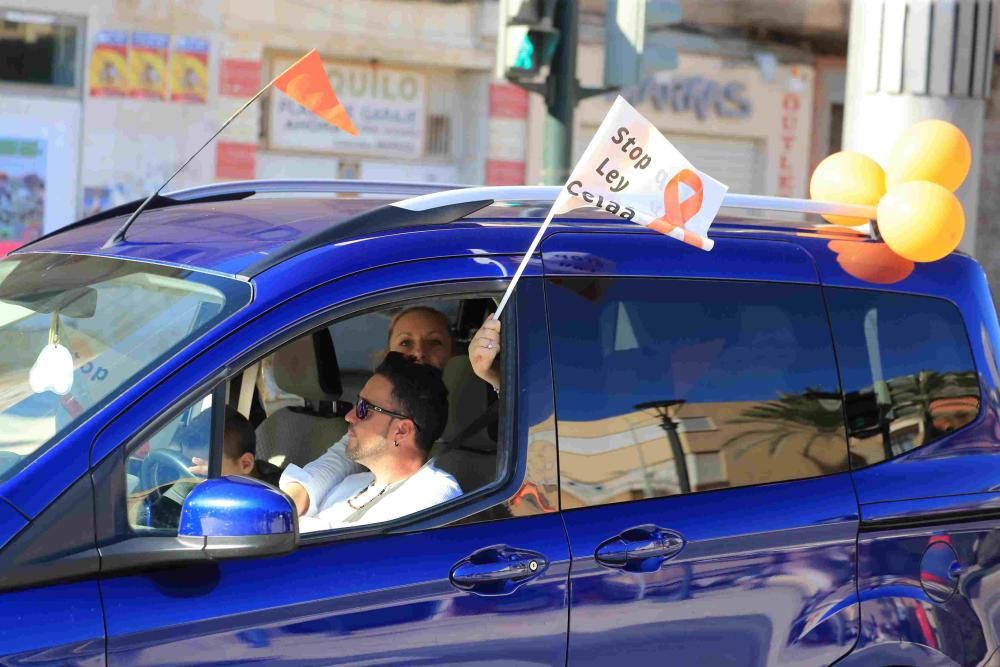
(497, 570)
(639, 549)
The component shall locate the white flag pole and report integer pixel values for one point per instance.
(526, 259)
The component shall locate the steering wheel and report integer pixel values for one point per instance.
(160, 507)
(162, 466)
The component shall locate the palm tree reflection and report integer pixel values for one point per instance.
(910, 411)
(802, 419)
(662, 409)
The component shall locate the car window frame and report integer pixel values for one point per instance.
(219, 394)
(454, 512)
(822, 313)
(983, 391)
(450, 512)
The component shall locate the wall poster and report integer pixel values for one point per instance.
(148, 64)
(189, 70)
(22, 190)
(109, 71)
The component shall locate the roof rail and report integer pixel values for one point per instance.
(312, 185)
(548, 194)
(446, 206)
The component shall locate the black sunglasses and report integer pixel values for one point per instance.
(361, 410)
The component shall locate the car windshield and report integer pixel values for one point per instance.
(77, 330)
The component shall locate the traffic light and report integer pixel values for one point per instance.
(632, 46)
(526, 39)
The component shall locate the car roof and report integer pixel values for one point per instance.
(225, 237)
(240, 236)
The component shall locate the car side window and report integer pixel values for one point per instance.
(312, 393)
(667, 386)
(907, 369)
(161, 470)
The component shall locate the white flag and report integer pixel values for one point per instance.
(632, 171)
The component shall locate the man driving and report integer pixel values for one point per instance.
(399, 414)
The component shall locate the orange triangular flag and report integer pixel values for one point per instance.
(306, 82)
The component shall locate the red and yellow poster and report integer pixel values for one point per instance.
(147, 61)
(189, 70)
(109, 71)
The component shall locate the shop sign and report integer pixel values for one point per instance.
(239, 78)
(692, 94)
(790, 104)
(235, 160)
(386, 105)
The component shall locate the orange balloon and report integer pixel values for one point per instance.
(932, 150)
(847, 178)
(921, 221)
(871, 262)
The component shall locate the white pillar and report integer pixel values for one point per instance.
(912, 60)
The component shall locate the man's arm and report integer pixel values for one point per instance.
(309, 485)
(299, 496)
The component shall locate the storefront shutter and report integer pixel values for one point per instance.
(737, 162)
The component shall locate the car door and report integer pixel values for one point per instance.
(429, 590)
(50, 609)
(703, 462)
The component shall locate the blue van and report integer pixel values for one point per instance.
(785, 451)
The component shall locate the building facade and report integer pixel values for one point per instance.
(101, 101)
(749, 125)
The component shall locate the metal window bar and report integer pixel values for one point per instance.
(439, 135)
(312, 185)
(514, 195)
(432, 195)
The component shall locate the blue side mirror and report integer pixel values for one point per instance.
(239, 516)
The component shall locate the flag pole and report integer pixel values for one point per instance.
(526, 259)
(120, 234)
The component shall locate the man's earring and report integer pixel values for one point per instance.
(395, 443)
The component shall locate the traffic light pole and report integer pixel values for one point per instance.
(561, 92)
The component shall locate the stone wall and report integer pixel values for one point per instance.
(988, 219)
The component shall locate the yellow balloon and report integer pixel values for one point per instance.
(847, 178)
(931, 150)
(921, 221)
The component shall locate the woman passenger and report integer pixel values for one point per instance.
(419, 332)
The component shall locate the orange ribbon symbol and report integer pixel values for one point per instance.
(677, 212)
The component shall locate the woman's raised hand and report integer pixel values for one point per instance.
(483, 350)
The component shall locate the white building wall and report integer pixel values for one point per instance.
(116, 149)
(750, 128)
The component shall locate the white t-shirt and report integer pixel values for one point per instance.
(321, 475)
(333, 479)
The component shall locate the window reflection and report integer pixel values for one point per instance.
(907, 369)
(677, 386)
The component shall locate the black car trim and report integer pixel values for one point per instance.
(159, 201)
(58, 545)
(382, 219)
(125, 553)
(928, 519)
